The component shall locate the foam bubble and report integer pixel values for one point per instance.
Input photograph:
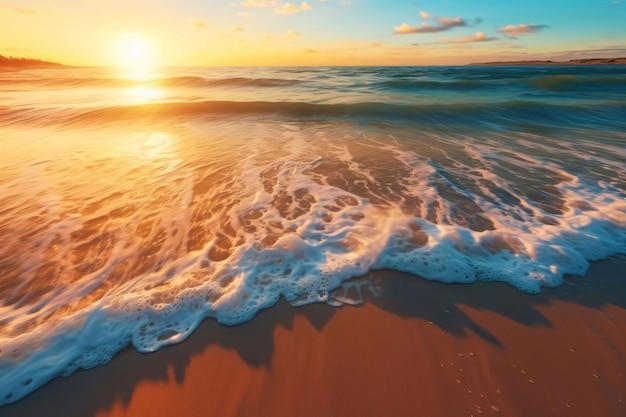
(135, 238)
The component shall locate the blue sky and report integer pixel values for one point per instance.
(313, 32)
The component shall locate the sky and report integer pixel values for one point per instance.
(312, 32)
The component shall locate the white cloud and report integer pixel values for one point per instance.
(478, 37)
(424, 15)
(405, 29)
(289, 8)
(259, 3)
(20, 10)
(521, 29)
(197, 24)
(445, 23)
(450, 22)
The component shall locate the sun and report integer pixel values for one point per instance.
(136, 55)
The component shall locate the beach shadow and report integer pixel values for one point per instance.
(401, 294)
(87, 392)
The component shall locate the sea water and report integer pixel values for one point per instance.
(133, 208)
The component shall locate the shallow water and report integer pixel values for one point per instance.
(131, 209)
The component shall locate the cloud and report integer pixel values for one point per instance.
(445, 23)
(259, 3)
(521, 29)
(311, 51)
(424, 15)
(290, 34)
(290, 8)
(20, 10)
(478, 37)
(237, 29)
(450, 22)
(24, 10)
(16, 49)
(197, 24)
(405, 29)
(512, 46)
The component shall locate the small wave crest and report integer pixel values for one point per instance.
(479, 114)
(577, 83)
(172, 82)
(417, 85)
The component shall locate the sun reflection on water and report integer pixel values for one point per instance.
(142, 94)
(159, 148)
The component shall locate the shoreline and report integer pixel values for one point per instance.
(420, 347)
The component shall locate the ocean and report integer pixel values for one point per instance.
(132, 208)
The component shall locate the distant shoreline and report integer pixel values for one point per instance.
(18, 63)
(591, 61)
(12, 63)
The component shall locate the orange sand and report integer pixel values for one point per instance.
(421, 349)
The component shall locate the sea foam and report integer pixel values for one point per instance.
(130, 224)
(293, 219)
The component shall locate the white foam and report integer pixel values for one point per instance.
(178, 231)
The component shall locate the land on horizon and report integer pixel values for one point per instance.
(15, 62)
(22, 62)
(587, 61)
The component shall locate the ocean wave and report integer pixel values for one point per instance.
(136, 222)
(403, 79)
(562, 83)
(574, 83)
(418, 85)
(171, 82)
(500, 114)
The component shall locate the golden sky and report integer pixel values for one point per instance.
(313, 32)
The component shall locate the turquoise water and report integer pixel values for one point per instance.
(132, 209)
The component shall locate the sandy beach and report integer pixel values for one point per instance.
(419, 348)
(267, 208)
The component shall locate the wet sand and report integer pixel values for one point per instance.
(420, 348)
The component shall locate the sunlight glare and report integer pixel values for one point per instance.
(142, 94)
(136, 55)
